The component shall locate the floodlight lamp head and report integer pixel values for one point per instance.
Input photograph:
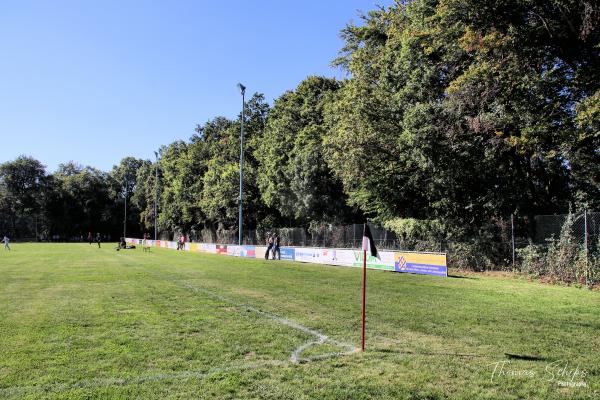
(242, 88)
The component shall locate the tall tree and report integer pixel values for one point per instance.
(124, 183)
(465, 110)
(21, 181)
(293, 175)
(81, 202)
(220, 187)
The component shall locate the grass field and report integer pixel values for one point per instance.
(81, 322)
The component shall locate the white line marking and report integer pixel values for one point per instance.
(185, 375)
(295, 356)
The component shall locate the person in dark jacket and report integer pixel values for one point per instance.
(276, 249)
(269, 244)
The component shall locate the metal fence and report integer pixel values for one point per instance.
(585, 230)
(497, 250)
(520, 230)
(345, 236)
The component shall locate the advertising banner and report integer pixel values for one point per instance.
(208, 247)
(421, 263)
(288, 253)
(248, 251)
(398, 261)
(384, 262)
(340, 257)
(259, 251)
(233, 250)
(307, 254)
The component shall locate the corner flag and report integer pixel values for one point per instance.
(368, 243)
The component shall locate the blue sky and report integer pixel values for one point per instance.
(94, 81)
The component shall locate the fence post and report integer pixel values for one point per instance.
(585, 233)
(585, 236)
(512, 234)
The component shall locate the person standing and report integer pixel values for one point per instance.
(5, 240)
(98, 239)
(269, 245)
(276, 249)
(90, 238)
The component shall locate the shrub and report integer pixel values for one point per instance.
(563, 254)
(533, 260)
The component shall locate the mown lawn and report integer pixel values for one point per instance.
(78, 322)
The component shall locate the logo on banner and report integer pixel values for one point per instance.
(401, 263)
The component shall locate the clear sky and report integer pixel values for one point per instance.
(94, 81)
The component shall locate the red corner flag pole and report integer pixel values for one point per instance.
(364, 290)
(367, 244)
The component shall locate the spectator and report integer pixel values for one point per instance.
(269, 244)
(276, 249)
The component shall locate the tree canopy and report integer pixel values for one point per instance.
(455, 113)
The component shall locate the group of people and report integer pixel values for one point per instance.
(123, 245)
(91, 239)
(273, 241)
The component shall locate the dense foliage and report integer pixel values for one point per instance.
(454, 114)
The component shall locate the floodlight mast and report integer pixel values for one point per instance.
(125, 217)
(243, 92)
(155, 195)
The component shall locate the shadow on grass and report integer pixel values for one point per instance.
(524, 357)
(462, 277)
(431, 353)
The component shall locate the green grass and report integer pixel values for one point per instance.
(78, 322)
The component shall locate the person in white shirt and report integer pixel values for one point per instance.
(5, 241)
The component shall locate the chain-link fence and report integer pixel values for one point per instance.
(585, 229)
(325, 235)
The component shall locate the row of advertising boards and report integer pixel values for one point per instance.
(398, 261)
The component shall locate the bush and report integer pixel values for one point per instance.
(533, 260)
(563, 254)
(565, 260)
(470, 255)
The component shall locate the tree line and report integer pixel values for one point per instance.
(453, 115)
